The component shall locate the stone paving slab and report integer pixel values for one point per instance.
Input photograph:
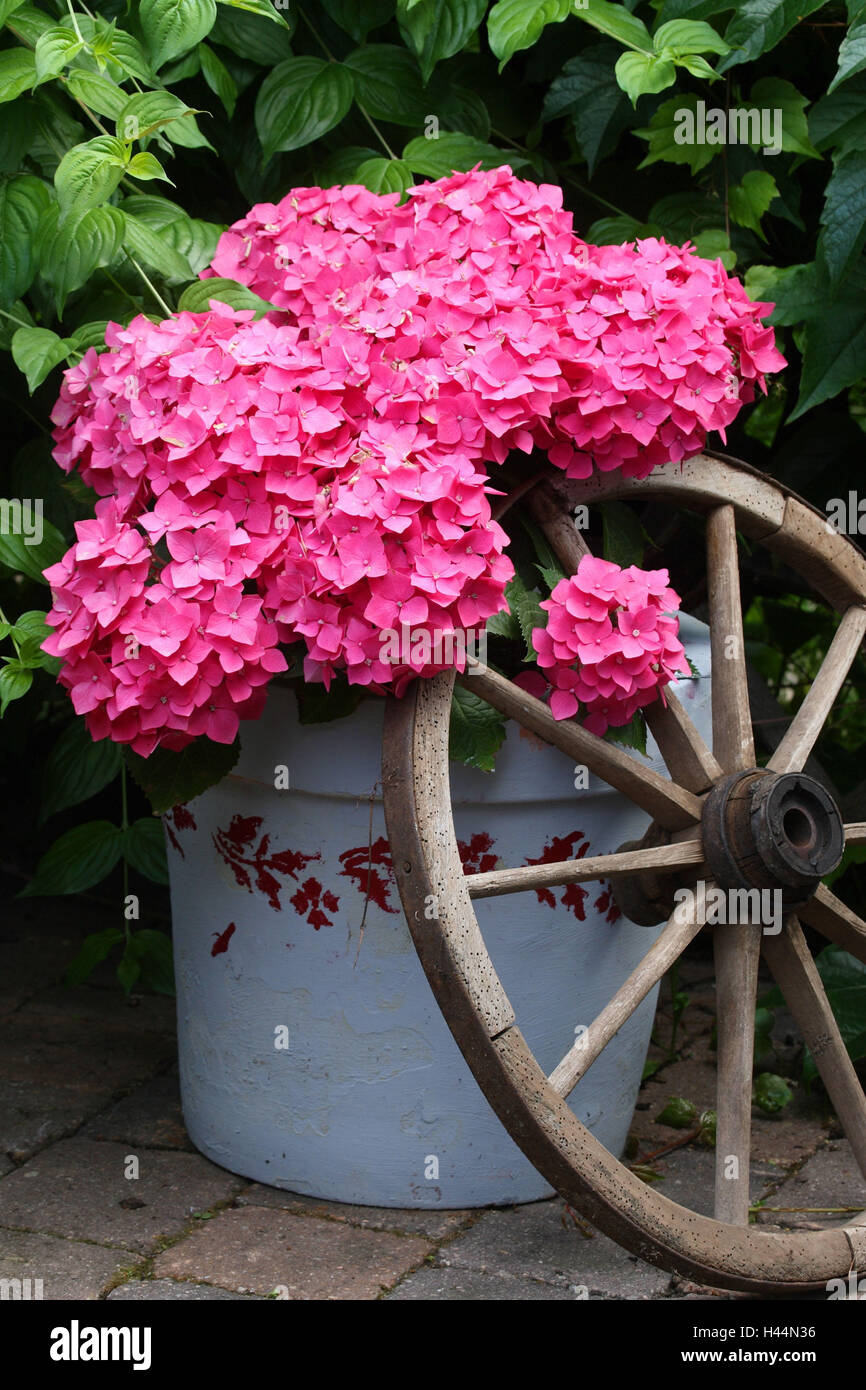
(150, 1117)
(471, 1285)
(830, 1179)
(435, 1224)
(257, 1250)
(79, 1052)
(68, 1269)
(77, 1188)
(541, 1242)
(154, 1013)
(168, 1290)
(33, 1116)
(689, 1178)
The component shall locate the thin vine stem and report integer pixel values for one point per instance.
(154, 291)
(331, 59)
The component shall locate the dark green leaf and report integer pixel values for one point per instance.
(154, 956)
(638, 73)
(525, 604)
(771, 1093)
(252, 37)
(152, 248)
(682, 37)
(17, 527)
(93, 952)
(437, 29)
(838, 121)
(88, 174)
(844, 980)
(169, 778)
(516, 24)
(358, 17)
(504, 624)
(146, 166)
(589, 93)
(275, 10)
(435, 159)
(623, 534)
(678, 1113)
(126, 52)
(29, 24)
(834, 352)
(16, 134)
(843, 220)
(384, 175)
(36, 352)
(616, 22)
(197, 296)
(77, 769)
(129, 967)
(97, 92)
(388, 84)
(668, 135)
(55, 51)
(219, 79)
(316, 705)
(477, 730)
(173, 26)
(23, 199)
(78, 860)
(147, 112)
(144, 848)
(194, 240)
(7, 8)
(852, 54)
(758, 25)
(777, 94)
(15, 681)
(301, 100)
(17, 73)
(71, 250)
(631, 735)
(750, 199)
(464, 111)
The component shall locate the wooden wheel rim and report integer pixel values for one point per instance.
(416, 787)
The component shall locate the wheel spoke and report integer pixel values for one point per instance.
(733, 744)
(672, 806)
(797, 744)
(687, 757)
(829, 915)
(855, 833)
(682, 926)
(559, 528)
(737, 949)
(790, 960)
(529, 876)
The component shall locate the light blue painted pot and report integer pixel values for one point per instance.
(315, 1059)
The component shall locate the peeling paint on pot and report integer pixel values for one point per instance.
(313, 1057)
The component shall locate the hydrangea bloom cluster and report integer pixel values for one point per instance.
(319, 475)
(241, 509)
(477, 321)
(611, 642)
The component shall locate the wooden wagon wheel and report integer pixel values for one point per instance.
(718, 816)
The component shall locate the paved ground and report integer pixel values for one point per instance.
(88, 1091)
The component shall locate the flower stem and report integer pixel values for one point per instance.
(157, 296)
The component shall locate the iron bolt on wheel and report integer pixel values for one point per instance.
(717, 815)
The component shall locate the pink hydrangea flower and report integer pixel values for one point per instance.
(611, 643)
(320, 475)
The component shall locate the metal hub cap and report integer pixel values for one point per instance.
(772, 830)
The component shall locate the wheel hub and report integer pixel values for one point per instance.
(772, 830)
